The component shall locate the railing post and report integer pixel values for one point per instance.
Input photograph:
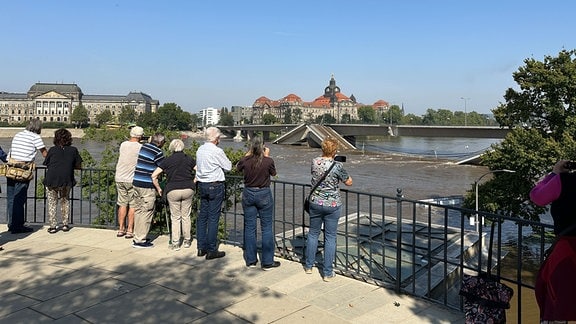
(398, 239)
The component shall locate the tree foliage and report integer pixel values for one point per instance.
(104, 118)
(269, 119)
(366, 114)
(127, 115)
(80, 116)
(542, 115)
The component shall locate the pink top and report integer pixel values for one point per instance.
(547, 190)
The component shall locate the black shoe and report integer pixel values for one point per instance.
(252, 265)
(23, 229)
(202, 253)
(274, 264)
(215, 255)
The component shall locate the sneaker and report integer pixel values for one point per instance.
(187, 244)
(308, 270)
(175, 247)
(252, 265)
(274, 264)
(329, 278)
(52, 230)
(215, 255)
(142, 245)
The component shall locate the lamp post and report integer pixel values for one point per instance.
(476, 192)
(465, 110)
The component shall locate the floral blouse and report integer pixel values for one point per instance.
(328, 192)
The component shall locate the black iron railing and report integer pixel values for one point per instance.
(420, 248)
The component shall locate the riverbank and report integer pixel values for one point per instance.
(9, 132)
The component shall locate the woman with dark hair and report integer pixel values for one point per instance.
(257, 201)
(24, 146)
(325, 206)
(61, 161)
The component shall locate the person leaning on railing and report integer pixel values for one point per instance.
(556, 282)
(24, 146)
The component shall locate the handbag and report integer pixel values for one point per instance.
(485, 297)
(20, 171)
(307, 200)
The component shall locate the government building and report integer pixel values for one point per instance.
(332, 102)
(55, 102)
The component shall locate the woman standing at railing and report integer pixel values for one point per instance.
(257, 202)
(61, 161)
(556, 282)
(325, 206)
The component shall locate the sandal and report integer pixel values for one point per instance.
(65, 228)
(120, 234)
(52, 230)
(129, 235)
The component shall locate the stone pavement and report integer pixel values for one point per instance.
(88, 275)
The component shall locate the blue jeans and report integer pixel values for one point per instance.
(329, 217)
(211, 198)
(16, 195)
(258, 203)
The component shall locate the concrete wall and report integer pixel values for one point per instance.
(46, 132)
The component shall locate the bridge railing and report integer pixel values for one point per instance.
(415, 247)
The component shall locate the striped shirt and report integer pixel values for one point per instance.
(25, 145)
(149, 157)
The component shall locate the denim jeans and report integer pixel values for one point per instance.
(211, 198)
(16, 195)
(258, 203)
(327, 216)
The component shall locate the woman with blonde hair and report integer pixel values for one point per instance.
(179, 189)
(325, 206)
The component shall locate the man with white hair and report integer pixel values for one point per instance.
(124, 175)
(211, 162)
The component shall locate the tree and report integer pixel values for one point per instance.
(366, 114)
(148, 120)
(394, 114)
(542, 116)
(172, 117)
(268, 119)
(297, 115)
(226, 118)
(80, 116)
(104, 118)
(288, 116)
(127, 115)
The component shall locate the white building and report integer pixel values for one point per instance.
(209, 116)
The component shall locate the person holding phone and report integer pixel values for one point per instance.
(325, 206)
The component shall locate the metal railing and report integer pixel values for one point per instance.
(420, 248)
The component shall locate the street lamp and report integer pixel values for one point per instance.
(465, 111)
(476, 191)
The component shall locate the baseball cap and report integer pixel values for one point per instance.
(136, 131)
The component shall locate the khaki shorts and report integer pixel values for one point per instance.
(126, 194)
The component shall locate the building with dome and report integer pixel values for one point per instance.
(55, 102)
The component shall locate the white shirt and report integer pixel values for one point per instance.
(211, 162)
(25, 145)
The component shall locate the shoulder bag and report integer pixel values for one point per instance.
(307, 200)
(19, 171)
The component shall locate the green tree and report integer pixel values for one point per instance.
(172, 117)
(288, 116)
(148, 120)
(411, 119)
(366, 114)
(80, 117)
(226, 118)
(297, 115)
(269, 119)
(104, 118)
(127, 115)
(542, 115)
(394, 114)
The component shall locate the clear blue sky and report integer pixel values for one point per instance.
(198, 54)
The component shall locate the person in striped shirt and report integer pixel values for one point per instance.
(25, 145)
(149, 158)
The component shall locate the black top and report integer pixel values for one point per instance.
(61, 162)
(179, 169)
(256, 176)
(563, 208)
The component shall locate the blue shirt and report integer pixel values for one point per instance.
(149, 157)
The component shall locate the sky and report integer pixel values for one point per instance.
(456, 55)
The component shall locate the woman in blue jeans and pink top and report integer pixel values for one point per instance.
(257, 166)
(325, 207)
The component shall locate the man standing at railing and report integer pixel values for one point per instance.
(149, 158)
(25, 144)
(211, 162)
(124, 176)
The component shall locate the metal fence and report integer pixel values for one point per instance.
(420, 248)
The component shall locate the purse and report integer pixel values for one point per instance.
(307, 200)
(20, 171)
(485, 297)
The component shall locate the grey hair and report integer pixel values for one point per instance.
(158, 139)
(176, 145)
(212, 134)
(35, 126)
